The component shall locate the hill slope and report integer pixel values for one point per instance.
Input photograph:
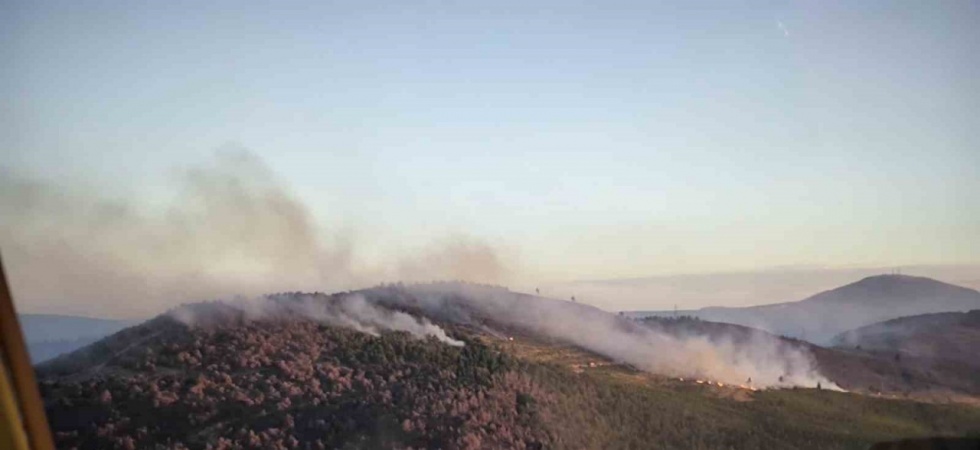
(859, 371)
(404, 368)
(952, 337)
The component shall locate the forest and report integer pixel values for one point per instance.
(289, 382)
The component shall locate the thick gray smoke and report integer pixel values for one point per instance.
(231, 228)
(350, 311)
(767, 360)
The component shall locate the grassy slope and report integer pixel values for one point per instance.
(612, 406)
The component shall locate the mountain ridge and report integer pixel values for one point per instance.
(871, 299)
(949, 337)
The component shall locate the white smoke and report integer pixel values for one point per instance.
(767, 360)
(728, 357)
(350, 311)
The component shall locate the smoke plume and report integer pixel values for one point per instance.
(727, 357)
(231, 228)
(767, 360)
(348, 311)
(234, 229)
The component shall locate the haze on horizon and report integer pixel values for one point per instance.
(154, 154)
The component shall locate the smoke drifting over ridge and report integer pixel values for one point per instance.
(728, 358)
(764, 358)
(349, 311)
(767, 360)
(232, 228)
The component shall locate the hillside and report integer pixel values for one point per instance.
(445, 366)
(859, 371)
(823, 316)
(943, 337)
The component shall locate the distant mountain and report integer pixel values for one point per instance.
(49, 335)
(821, 317)
(754, 287)
(42, 351)
(952, 337)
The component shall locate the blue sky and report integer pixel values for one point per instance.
(586, 140)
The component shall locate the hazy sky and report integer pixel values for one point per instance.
(582, 140)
